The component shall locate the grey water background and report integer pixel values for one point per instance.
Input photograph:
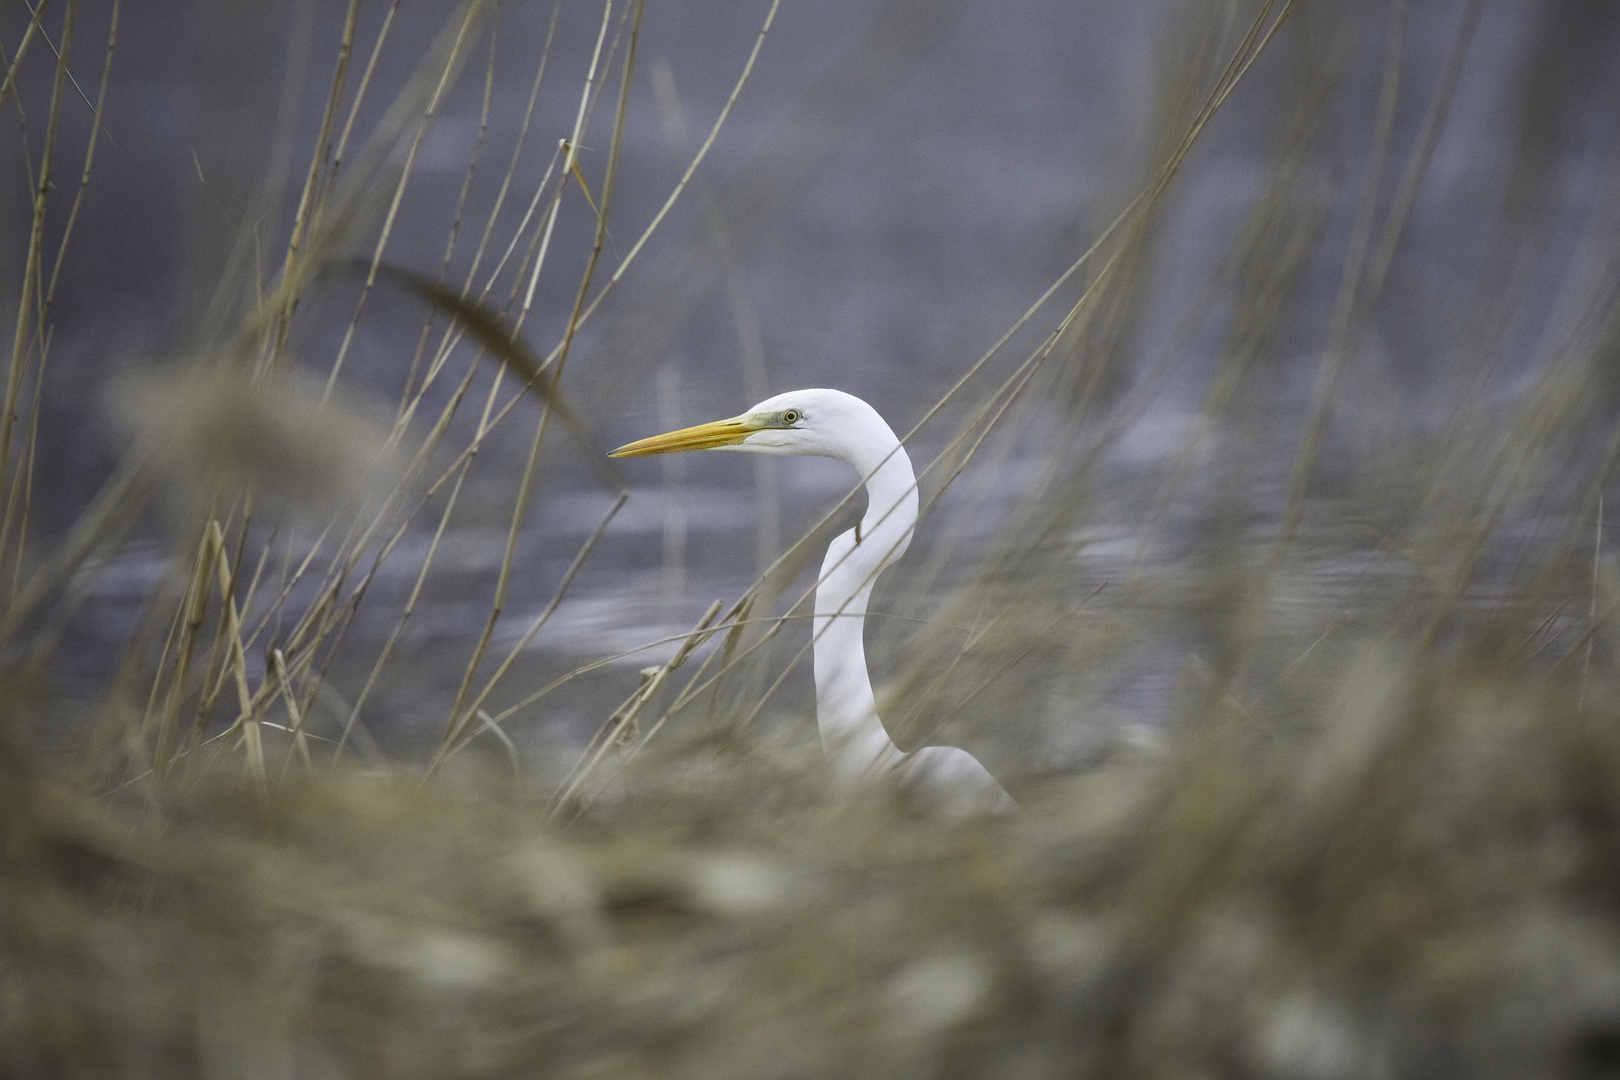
(897, 184)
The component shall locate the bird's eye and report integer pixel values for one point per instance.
(791, 416)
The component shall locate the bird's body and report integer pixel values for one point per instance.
(830, 423)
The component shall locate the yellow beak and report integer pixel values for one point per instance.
(708, 436)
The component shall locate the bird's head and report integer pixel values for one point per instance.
(820, 423)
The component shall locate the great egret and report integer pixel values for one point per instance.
(831, 423)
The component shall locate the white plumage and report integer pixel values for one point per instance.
(831, 423)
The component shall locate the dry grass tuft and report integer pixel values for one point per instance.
(1418, 881)
(222, 429)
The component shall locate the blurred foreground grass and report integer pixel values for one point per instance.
(1369, 827)
(1420, 880)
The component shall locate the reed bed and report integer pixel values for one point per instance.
(1309, 709)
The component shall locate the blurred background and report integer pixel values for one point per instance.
(1402, 214)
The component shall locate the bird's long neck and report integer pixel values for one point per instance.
(846, 711)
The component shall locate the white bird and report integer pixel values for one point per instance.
(831, 423)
